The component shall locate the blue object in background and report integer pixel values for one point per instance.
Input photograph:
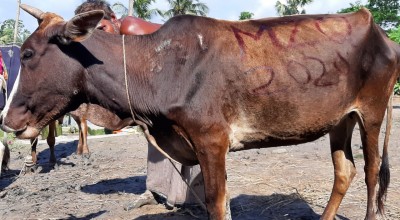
(11, 59)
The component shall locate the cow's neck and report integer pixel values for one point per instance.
(106, 82)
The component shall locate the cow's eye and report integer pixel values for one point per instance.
(27, 54)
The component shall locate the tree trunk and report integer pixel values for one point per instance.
(130, 7)
(16, 23)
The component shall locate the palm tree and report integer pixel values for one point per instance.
(140, 9)
(182, 7)
(292, 7)
(120, 9)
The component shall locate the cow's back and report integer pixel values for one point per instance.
(290, 80)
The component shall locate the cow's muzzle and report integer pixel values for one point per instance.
(5, 127)
(25, 132)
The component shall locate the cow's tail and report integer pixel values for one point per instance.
(384, 172)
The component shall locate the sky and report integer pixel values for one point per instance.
(217, 8)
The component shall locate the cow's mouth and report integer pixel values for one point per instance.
(27, 133)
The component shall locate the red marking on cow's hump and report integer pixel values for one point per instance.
(332, 34)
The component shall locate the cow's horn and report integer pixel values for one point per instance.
(32, 11)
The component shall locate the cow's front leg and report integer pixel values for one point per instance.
(211, 151)
(51, 141)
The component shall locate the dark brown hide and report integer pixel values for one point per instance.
(220, 85)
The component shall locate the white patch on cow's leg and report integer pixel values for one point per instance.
(9, 100)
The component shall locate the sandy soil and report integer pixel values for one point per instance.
(291, 182)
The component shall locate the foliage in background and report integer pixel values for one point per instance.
(353, 7)
(292, 7)
(7, 32)
(245, 15)
(182, 7)
(394, 34)
(397, 88)
(120, 9)
(385, 12)
(141, 9)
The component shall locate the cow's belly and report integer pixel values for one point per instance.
(247, 136)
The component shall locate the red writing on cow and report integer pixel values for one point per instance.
(298, 35)
(306, 71)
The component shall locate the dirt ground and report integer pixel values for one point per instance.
(291, 182)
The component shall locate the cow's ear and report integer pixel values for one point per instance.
(81, 26)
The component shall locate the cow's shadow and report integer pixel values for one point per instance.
(276, 206)
(7, 178)
(61, 150)
(90, 216)
(134, 185)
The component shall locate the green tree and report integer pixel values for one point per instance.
(394, 34)
(182, 7)
(244, 15)
(385, 12)
(353, 7)
(7, 32)
(141, 9)
(292, 7)
(120, 9)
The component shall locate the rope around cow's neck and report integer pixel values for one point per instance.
(147, 134)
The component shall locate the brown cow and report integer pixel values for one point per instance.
(201, 87)
(95, 114)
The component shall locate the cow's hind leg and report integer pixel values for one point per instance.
(82, 148)
(369, 137)
(342, 158)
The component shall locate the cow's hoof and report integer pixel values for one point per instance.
(147, 198)
(86, 155)
(74, 155)
(86, 159)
